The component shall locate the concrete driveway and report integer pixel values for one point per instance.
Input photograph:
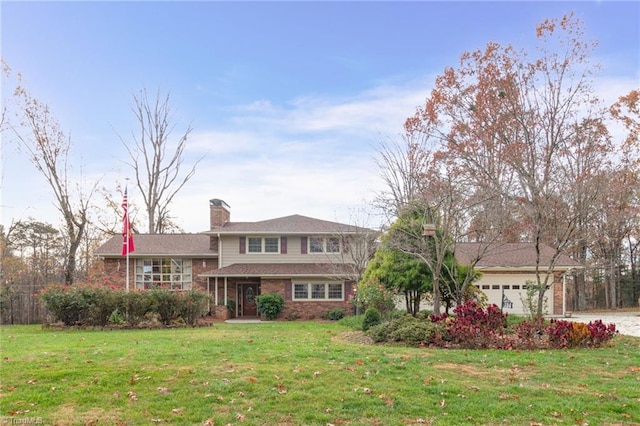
(626, 322)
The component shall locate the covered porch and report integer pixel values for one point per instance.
(234, 288)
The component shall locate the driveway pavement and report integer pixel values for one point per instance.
(626, 322)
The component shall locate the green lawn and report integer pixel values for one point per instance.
(303, 373)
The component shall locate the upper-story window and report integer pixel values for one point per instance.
(324, 245)
(263, 244)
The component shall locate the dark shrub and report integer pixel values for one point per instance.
(165, 304)
(135, 306)
(192, 305)
(416, 333)
(63, 303)
(334, 314)
(371, 317)
(270, 305)
(406, 329)
(77, 304)
(101, 302)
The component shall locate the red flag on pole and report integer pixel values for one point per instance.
(127, 235)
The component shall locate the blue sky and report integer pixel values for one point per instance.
(287, 100)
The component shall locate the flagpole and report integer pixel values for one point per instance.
(128, 236)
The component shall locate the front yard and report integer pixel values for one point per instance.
(295, 373)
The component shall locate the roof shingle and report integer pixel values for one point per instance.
(294, 224)
(194, 245)
(510, 255)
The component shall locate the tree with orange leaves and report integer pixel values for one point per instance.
(514, 129)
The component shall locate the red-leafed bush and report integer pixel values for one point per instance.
(472, 326)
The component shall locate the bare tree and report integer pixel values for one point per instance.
(48, 147)
(358, 245)
(402, 166)
(157, 163)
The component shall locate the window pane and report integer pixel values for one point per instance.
(255, 245)
(316, 244)
(271, 245)
(176, 265)
(335, 291)
(333, 245)
(317, 291)
(300, 291)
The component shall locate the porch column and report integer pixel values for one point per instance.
(216, 291)
(209, 295)
(225, 291)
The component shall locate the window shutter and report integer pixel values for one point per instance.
(348, 288)
(287, 290)
(345, 245)
(283, 245)
(303, 245)
(243, 245)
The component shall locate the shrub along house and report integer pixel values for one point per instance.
(303, 259)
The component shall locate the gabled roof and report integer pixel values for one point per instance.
(324, 270)
(511, 255)
(192, 245)
(294, 224)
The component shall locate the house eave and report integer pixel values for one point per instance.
(543, 268)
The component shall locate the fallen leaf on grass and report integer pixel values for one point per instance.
(208, 422)
(387, 399)
(163, 390)
(177, 411)
(316, 374)
(443, 403)
(240, 417)
(252, 379)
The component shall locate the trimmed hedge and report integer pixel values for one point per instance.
(100, 306)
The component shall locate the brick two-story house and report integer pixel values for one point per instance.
(305, 260)
(308, 261)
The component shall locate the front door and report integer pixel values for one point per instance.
(249, 306)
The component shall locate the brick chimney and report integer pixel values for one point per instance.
(219, 213)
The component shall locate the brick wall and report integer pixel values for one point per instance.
(302, 309)
(556, 287)
(115, 272)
